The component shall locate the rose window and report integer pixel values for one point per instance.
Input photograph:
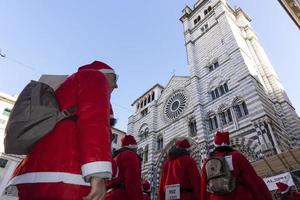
(175, 105)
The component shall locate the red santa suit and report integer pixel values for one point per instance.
(180, 168)
(248, 183)
(285, 192)
(127, 184)
(146, 190)
(60, 165)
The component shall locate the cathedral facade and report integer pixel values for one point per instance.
(232, 87)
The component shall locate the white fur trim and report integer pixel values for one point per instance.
(107, 71)
(223, 144)
(131, 146)
(48, 177)
(96, 167)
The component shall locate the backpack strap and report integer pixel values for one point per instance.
(66, 113)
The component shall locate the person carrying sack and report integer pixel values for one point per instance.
(228, 175)
(72, 161)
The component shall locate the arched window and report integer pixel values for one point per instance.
(209, 8)
(146, 133)
(205, 12)
(140, 153)
(141, 104)
(141, 135)
(212, 121)
(149, 99)
(241, 109)
(145, 102)
(225, 87)
(146, 151)
(152, 96)
(143, 132)
(217, 92)
(193, 127)
(225, 116)
(160, 143)
(137, 106)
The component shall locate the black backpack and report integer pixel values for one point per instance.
(34, 114)
(219, 177)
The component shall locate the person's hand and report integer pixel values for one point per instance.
(98, 189)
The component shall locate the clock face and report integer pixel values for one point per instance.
(175, 106)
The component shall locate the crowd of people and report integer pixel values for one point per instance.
(74, 161)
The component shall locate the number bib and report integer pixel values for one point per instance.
(173, 192)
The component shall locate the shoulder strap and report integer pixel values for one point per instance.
(67, 113)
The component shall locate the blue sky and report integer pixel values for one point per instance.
(143, 40)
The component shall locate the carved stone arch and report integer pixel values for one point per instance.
(143, 127)
(210, 113)
(249, 147)
(213, 83)
(223, 107)
(195, 153)
(237, 100)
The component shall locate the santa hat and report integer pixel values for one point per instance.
(222, 139)
(100, 66)
(146, 186)
(183, 144)
(128, 141)
(282, 187)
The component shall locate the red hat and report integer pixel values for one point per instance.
(183, 144)
(146, 186)
(100, 66)
(282, 187)
(222, 139)
(128, 141)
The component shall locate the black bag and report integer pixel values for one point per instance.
(34, 114)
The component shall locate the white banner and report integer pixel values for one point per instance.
(284, 178)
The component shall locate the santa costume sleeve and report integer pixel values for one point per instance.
(93, 121)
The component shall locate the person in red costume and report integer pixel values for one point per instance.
(286, 193)
(74, 159)
(146, 190)
(127, 183)
(179, 174)
(249, 186)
